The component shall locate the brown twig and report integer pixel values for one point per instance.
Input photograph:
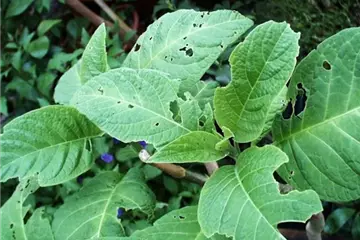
(174, 170)
(315, 226)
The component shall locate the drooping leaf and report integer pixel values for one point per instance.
(92, 212)
(94, 59)
(185, 43)
(46, 25)
(179, 224)
(39, 47)
(323, 140)
(17, 7)
(260, 68)
(244, 201)
(51, 142)
(337, 219)
(197, 146)
(13, 211)
(68, 84)
(92, 63)
(132, 105)
(38, 227)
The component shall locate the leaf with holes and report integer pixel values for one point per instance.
(92, 63)
(244, 201)
(185, 43)
(323, 140)
(13, 211)
(92, 212)
(52, 142)
(179, 224)
(248, 104)
(134, 105)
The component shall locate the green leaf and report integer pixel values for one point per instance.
(16, 60)
(24, 88)
(39, 47)
(3, 106)
(68, 84)
(196, 146)
(337, 219)
(323, 141)
(185, 43)
(179, 224)
(46, 25)
(38, 227)
(204, 92)
(132, 105)
(51, 142)
(244, 201)
(92, 212)
(355, 231)
(45, 83)
(13, 211)
(17, 7)
(94, 59)
(260, 68)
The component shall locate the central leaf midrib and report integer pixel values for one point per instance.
(292, 134)
(139, 106)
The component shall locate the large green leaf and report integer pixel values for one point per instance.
(13, 211)
(204, 92)
(179, 224)
(244, 201)
(132, 105)
(260, 67)
(323, 141)
(51, 142)
(185, 43)
(92, 212)
(92, 63)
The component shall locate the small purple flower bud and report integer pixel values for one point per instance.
(120, 212)
(143, 144)
(107, 157)
(116, 141)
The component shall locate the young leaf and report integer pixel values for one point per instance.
(132, 105)
(337, 219)
(92, 63)
(244, 201)
(13, 211)
(179, 224)
(39, 47)
(185, 43)
(51, 142)
(94, 59)
(92, 212)
(196, 146)
(38, 227)
(260, 67)
(323, 140)
(17, 7)
(46, 25)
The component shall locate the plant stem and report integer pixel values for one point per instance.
(173, 170)
(315, 226)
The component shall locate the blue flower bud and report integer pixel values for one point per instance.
(143, 144)
(120, 212)
(107, 157)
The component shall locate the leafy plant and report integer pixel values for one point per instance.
(156, 96)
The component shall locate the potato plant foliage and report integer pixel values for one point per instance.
(157, 96)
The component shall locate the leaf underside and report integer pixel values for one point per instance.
(323, 141)
(244, 201)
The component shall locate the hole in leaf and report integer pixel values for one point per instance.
(181, 217)
(100, 90)
(156, 124)
(150, 38)
(189, 52)
(11, 225)
(301, 98)
(185, 38)
(137, 47)
(208, 13)
(171, 59)
(292, 173)
(18, 202)
(200, 25)
(182, 49)
(201, 123)
(194, 24)
(221, 46)
(326, 65)
(165, 57)
(202, 15)
(288, 111)
(118, 101)
(130, 106)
